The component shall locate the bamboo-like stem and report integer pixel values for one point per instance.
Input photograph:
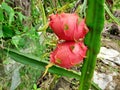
(95, 23)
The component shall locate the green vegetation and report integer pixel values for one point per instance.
(26, 38)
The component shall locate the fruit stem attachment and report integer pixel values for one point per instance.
(47, 67)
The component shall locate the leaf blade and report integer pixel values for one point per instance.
(34, 61)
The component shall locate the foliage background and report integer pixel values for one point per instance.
(24, 27)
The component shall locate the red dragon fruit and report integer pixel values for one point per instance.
(68, 54)
(68, 26)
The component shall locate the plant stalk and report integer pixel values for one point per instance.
(95, 23)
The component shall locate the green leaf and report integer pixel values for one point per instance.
(42, 12)
(7, 8)
(1, 32)
(15, 40)
(7, 32)
(21, 16)
(35, 86)
(36, 63)
(11, 17)
(1, 20)
(95, 23)
(111, 15)
(1, 15)
(9, 11)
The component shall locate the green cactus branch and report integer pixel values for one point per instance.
(95, 23)
(36, 63)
